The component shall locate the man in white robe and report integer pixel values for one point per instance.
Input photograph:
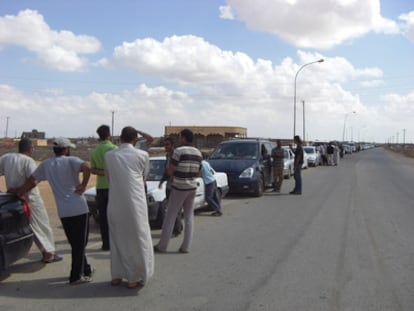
(132, 256)
(17, 167)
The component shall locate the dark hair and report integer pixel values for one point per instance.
(58, 150)
(297, 138)
(170, 139)
(128, 134)
(188, 135)
(104, 131)
(25, 144)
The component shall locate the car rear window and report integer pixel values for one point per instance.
(236, 151)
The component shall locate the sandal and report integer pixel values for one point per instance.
(55, 258)
(82, 280)
(116, 282)
(132, 285)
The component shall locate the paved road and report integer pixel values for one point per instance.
(345, 244)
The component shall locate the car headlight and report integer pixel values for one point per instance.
(247, 173)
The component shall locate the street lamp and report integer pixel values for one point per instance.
(346, 117)
(294, 98)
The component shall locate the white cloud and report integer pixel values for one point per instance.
(58, 50)
(314, 23)
(372, 83)
(408, 25)
(226, 12)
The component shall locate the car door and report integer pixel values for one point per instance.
(266, 162)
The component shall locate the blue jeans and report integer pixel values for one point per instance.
(298, 179)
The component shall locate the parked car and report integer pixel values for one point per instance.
(16, 236)
(314, 156)
(246, 162)
(156, 197)
(288, 162)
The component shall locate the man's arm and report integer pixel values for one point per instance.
(147, 136)
(86, 173)
(98, 171)
(29, 184)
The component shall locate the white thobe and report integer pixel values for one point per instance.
(17, 167)
(132, 254)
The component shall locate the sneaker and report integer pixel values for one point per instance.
(183, 251)
(217, 214)
(82, 280)
(91, 273)
(157, 250)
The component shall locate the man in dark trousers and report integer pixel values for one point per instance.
(297, 165)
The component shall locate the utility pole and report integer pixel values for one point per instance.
(303, 137)
(7, 127)
(113, 112)
(403, 137)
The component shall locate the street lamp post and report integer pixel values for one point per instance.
(343, 132)
(294, 97)
(303, 110)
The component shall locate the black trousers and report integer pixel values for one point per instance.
(102, 204)
(77, 231)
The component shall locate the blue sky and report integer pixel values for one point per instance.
(66, 65)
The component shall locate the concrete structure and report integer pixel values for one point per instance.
(207, 136)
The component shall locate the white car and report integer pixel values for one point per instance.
(156, 197)
(313, 154)
(288, 162)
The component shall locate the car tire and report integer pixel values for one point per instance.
(288, 174)
(94, 212)
(260, 186)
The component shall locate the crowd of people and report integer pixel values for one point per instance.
(121, 199)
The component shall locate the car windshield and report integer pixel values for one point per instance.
(309, 150)
(156, 170)
(233, 151)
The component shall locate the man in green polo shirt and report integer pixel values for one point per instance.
(97, 168)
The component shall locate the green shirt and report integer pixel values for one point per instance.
(97, 161)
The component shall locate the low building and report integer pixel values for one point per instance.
(207, 136)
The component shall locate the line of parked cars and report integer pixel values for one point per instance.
(156, 196)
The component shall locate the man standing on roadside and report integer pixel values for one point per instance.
(278, 165)
(17, 167)
(169, 149)
(297, 165)
(62, 173)
(98, 168)
(132, 255)
(211, 192)
(185, 167)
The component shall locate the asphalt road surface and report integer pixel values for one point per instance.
(345, 244)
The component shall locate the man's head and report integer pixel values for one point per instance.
(104, 132)
(62, 146)
(169, 144)
(25, 146)
(297, 140)
(186, 136)
(278, 143)
(129, 135)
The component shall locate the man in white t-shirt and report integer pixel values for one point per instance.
(62, 173)
(16, 168)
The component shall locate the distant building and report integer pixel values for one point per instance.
(207, 136)
(34, 134)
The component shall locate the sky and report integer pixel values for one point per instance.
(67, 67)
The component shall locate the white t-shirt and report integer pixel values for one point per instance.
(62, 173)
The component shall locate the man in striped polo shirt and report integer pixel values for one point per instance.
(184, 167)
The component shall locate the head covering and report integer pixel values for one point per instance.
(25, 144)
(63, 142)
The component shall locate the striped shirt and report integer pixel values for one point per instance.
(187, 162)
